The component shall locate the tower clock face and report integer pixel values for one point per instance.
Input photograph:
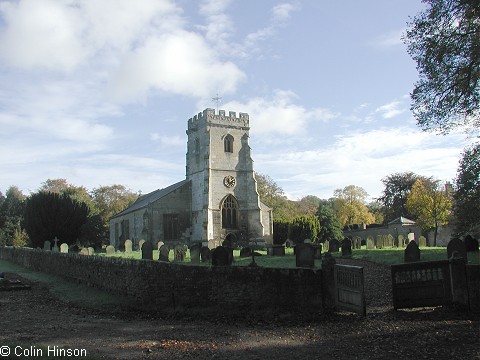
(229, 181)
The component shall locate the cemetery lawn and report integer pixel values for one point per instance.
(390, 256)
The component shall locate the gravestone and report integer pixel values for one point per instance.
(160, 244)
(457, 247)
(195, 253)
(84, 251)
(358, 242)
(205, 254)
(334, 246)
(422, 241)
(47, 245)
(379, 242)
(128, 246)
(390, 241)
(317, 248)
(411, 236)
(64, 248)
(326, 246)
(147, 250)
(55, 246)
(140, 244)
(179, 253)
(91, 250)
(370, 243)
(471, 244)
(412, 252)
(346, 247)
(246, 252)
(305, 255)
(289, 243)
(163, 253)
(221, 256)
(401, 241)
(110, 250)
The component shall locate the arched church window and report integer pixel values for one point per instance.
(229, 213)
(228, 143)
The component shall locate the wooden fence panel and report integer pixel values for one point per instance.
(421, 284)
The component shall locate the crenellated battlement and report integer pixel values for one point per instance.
(209, 116)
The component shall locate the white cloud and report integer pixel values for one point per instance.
(393, 38)
(279, 114)
(165, 140)
(391, 109)
(362, 159)
(178, 63)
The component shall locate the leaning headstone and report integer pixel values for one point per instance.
(456, 247)
(91, 251)
(195, 253)
(412, 252)
(84, 251)
(47, 245)
(140, 244)
(163, 253)
(422, 241)
(471, 244)
(205, 254)
(220, 256)
(147, 251)
(180, 253)
(128, 246)
(334, 246)
(304, 255)
(160, 244)
(110, 250)
(370, 243)
(346, 247)
(64, 248)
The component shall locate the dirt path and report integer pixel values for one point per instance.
(36, 318)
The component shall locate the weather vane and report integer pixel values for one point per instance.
(216, 100)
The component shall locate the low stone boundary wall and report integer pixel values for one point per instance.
(170, 286)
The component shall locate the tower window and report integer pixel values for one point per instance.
(229, 213)
(228, 143)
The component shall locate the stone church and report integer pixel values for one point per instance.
(218, 200)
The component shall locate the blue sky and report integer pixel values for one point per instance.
(99, 92)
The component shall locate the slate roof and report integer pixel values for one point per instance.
(401, 221)
(145, 200)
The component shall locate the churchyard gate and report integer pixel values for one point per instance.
(350, 289)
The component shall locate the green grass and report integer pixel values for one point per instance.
(396, 256)
(67, 291)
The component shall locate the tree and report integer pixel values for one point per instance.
(308, 205)
(444, 40)
(273, 196)
(330, 225)
(467, 192)
(11, 216)
(49, 215)
(349, 205)
(397, 186)
(110, 200)
(304, 227)
(430, 205)
(61, 186)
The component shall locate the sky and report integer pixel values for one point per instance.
(98, 92)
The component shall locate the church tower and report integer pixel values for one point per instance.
(225, 202)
